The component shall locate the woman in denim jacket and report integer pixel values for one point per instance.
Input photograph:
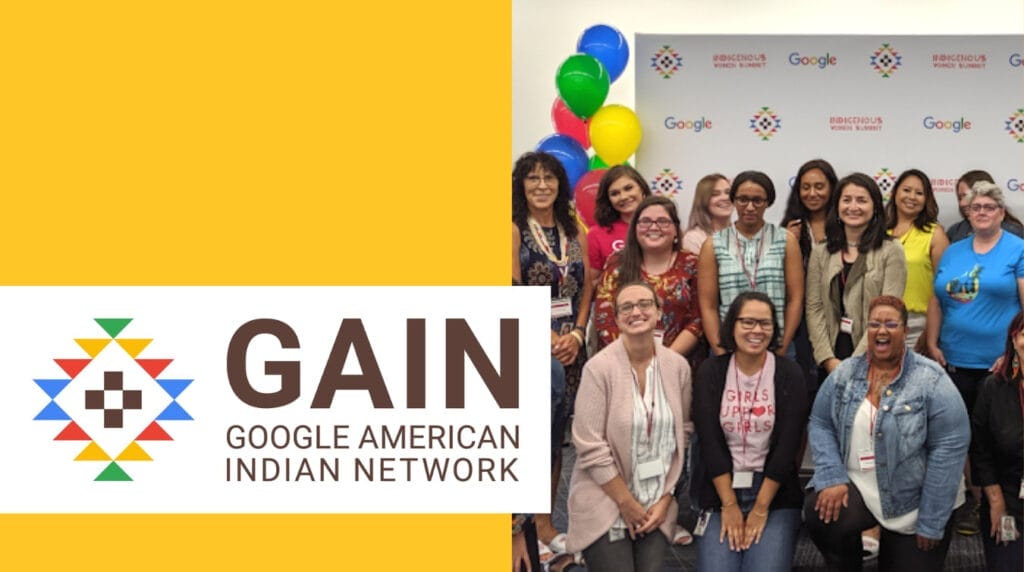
(889, 434)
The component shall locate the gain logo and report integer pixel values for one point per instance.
(1015, 125)
(667, 183)
(113, 399)
(886, 181)
(666, 62)
(765, 123)
(886, 60)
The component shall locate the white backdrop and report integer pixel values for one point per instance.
(875, 104)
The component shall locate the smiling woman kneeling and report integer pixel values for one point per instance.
(889, 434)
(628, 432)
(749, 410)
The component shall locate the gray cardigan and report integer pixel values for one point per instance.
(883, 271)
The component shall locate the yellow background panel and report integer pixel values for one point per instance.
(254, 143)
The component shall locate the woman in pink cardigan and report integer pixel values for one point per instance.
(631, 408)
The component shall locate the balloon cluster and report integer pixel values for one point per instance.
(582, 120)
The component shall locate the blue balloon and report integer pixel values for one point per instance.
(608, 45)
(569, 153)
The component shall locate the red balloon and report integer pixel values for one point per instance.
(585, 195)
(567, 123)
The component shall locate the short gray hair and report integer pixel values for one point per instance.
(986, 189)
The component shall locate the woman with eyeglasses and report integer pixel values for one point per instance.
(749, 410)
(549, 249)
(619, 194)
(912, 216)
(653, 254)
(628, 432)
(889, 436)
(751, 256)
(711, 211)
(979, 288)
(858, 262)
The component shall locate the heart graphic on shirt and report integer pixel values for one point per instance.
(757, 411)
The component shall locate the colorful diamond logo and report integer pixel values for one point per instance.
(667, 183)
(886, 180)
(666, 62)
(113, 399)
(886, 60)
(765, 123)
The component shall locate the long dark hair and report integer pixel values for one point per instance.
(795, 209)
(875, 235)
(521, 211)
(632, 255)
(604, 213)
(928, 215)
(1005, 372)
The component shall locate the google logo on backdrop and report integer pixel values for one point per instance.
(1015, 60)
(696, 125)
(1013, 184)
(821, 62)
(954, 125)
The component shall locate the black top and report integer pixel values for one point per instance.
(715, 459)
(997, 440)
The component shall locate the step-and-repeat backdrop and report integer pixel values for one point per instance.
(875, 104)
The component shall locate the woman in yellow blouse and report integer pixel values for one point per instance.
(912, 214)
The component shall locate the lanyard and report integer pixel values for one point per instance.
(648, 414)
(742, 250)
(739, 399)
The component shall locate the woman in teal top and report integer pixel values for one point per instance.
(751, 256)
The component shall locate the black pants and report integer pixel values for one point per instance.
(967, 382)
(839, 541)
(530, 532)
(646, 554)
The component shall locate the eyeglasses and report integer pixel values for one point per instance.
(662, 223)
(756, 201)
(536, 179)
(749, 323)
(627, 308)
(889, 325)
(988, 208)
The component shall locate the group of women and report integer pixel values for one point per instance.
(763, 314)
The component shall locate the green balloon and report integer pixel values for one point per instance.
(598, 163)
(582, 84)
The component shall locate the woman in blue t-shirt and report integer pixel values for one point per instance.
(979, 288)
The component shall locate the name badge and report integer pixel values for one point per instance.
(561, 307)
(866, 460)
(659, 336)
(616, 534)
(650, 469)
(846, 325)
(1020, 494)
(702, 523)
(742, 479)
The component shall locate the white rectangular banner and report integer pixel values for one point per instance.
(275, 399)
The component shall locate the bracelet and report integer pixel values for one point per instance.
(576, 336)
(733, 503)
(581, 329)
(761, 514)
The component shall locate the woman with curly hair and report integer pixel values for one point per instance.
(549, 249)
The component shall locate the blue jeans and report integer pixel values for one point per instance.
(774, 552)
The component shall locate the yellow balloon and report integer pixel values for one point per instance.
(615, 133)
